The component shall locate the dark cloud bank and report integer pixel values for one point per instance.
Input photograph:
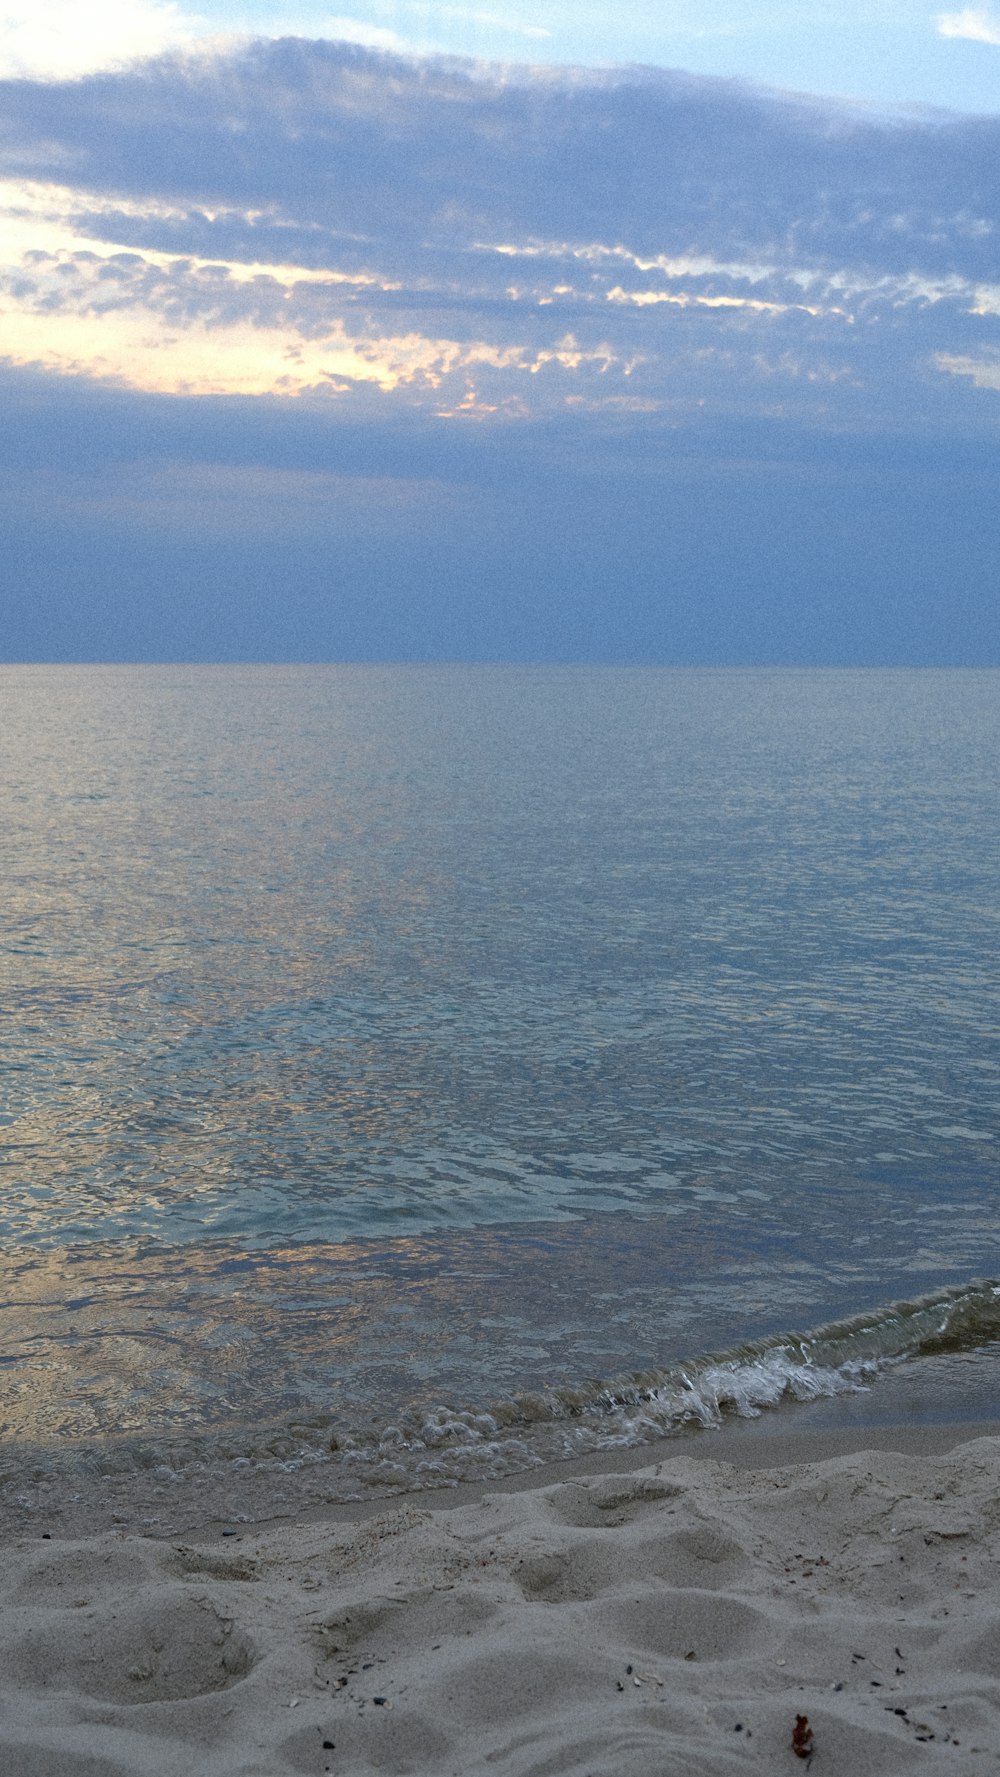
(771, 436)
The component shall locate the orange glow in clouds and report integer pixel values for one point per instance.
(176, 324)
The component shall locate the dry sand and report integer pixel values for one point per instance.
(668, 1621)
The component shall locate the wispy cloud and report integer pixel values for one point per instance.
(55, 40)
(983, 373)
(352, 30)
(62, 39)
(974, 25)
(317, 350)
(474, 15)
(184, 324)
(632, 244)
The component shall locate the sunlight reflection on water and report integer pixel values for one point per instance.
(296, 960)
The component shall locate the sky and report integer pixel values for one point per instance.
(558, 332)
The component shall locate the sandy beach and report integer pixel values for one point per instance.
(675, 1617)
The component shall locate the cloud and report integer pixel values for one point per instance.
(226, 499)
(500, 21)
(173, 324)
(972, 25)
(300, 221)
(351, 30)
(62, 39)
(983, 373)
(54, 40)
(273, 390)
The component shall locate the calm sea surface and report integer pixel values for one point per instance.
(452, 1059)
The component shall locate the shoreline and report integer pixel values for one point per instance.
(161, 1504)
(161, 1486)
(745, 1444)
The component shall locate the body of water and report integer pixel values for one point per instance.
(469, 1065)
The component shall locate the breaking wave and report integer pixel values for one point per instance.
(442, 1446)
(446, 1446)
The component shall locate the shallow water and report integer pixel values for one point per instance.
(380, 1038)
